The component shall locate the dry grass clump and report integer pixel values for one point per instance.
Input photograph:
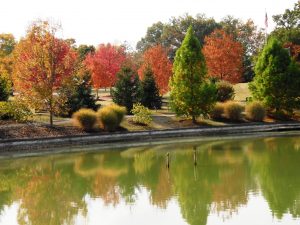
(233, 111)
(85, 119)
(255, 111)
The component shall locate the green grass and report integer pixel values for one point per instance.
(241, 92)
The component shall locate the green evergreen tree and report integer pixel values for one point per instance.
(277, 79)
(78, 95)
(191, 94)
(5, 89)
(127, 89)
(151, 98)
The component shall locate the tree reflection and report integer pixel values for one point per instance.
(52, 190)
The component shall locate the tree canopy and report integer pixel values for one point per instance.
(191, 95)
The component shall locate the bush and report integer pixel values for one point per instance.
(217, 111)
(225, 91)
(108, 118)
(119, 110)
(255, 111)
(141, 114)
(233, 111)
(14, 111)
(85, 119)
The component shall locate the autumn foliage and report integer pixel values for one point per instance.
(224, 56)
(42, 63)
(104, 64)
(157, 60)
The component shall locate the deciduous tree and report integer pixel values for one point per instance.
(104, 64)
(224, 56)
(170, 35)
(42, 63)
(157, 60)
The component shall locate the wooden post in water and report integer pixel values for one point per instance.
(195, 157)
(168, 160)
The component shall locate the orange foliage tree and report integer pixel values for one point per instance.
(104, 64)
(156, 58)
(42, 64)
(224, 56)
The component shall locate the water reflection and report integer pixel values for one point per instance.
(205, 180)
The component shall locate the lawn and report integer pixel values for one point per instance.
(162, 119)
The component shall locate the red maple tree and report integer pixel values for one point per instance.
(42, 63)
(224, 56)
(104, 64)
(157, 59)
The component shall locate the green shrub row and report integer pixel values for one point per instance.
(109, 118)
(254, 111)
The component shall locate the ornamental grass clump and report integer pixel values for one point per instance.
(255, 111)
(85, 119)
(119, 110)
(233, 111)
(108, 119)
(141, 114)
(217, 111)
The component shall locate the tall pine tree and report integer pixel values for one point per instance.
(151, 97)
(191, 94)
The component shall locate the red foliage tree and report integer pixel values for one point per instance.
(42, 63)
(104, 64)
(224, 56)
(157, 59)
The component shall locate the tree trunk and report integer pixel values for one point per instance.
(51, 118)
(97, 93)
(51, 112)
(194, 119)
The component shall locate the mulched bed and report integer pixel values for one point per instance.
(12, 130)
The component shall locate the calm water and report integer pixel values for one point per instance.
(250, 181)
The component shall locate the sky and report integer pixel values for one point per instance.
(115, 21)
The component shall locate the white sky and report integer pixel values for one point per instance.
(97, 21)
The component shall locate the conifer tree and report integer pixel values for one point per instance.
(76, 96)
(191, 94)
(151, 98)
(127, 89)
(277, 79)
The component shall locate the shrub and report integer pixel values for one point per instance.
(225, 91)
(233, 111)
(119, 110)
(85, 119)
(255, 111)
(217, 111)
(141, 114)
(14, 111)
(108, 118)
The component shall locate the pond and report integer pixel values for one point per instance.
(225, 181)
